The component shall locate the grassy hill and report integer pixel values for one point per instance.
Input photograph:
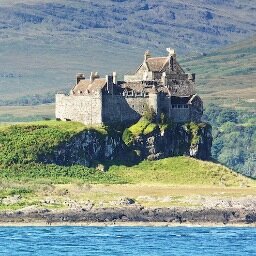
(168, 182)
(227, 76)
(42, 45)
(21, 144)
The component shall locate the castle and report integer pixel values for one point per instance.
(159, 83)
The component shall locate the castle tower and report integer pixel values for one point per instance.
(153, 101)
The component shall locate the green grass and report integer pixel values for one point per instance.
(21, 174)
(23, 143)
(180, 171)
(142, 127)
(139, 127)
(174, 170)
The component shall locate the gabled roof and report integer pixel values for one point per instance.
(137, 87)
(157, 64)
(86, 86)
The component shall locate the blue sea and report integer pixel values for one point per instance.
(127, 241)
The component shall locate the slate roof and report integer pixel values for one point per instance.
(137, 87)
(157, 64)
(86, 86)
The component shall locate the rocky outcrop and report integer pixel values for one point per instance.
(132, 214)
(90, 148)
(175, 141)
(87, 148)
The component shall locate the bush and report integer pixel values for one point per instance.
(127, 137)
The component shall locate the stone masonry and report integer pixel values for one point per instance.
(159, 83)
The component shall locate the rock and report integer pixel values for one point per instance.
(124, 201)
(86, 148)
(100, 167)
(90, 147)
(11, 200)
(32, 210)
(175, 141)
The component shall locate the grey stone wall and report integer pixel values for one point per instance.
(123, 109)
(86, 109)
(97, 108)
(184, 89)
(176, 113)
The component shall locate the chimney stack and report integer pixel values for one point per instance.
(93, 76)
(114, 78)
(146, 55)
(109, 80)
(79, 77)
(170, 51)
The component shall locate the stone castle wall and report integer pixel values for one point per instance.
(177, 113)
(86, 109)
(98, 108)
(117, 108)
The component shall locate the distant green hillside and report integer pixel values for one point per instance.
(43, 44)
(21, 144)
(227, 77)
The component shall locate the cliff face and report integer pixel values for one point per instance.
(179, 140)
(86, 148)
(90, 148)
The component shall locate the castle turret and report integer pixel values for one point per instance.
(153, 100)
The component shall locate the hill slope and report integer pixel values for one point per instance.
(31, 187)
(227, 76)
(22, 144)
(36, 38)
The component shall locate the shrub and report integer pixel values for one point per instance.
(127, 137)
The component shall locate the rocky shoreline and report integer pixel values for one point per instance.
(131, 214)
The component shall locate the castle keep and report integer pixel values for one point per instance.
(159, 83)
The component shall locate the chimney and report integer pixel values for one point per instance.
(146, 55)
(192, 77)
(79, 77)
(114, 78)
(109, 80)
(93, 76)
(170, 51)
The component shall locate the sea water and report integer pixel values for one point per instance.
(127, 241)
